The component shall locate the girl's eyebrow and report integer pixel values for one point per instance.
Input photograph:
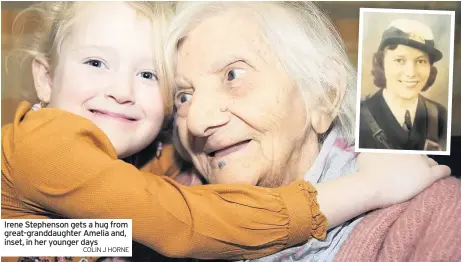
(103, 49)
(141, 59)
(151, 61)
(85, 46)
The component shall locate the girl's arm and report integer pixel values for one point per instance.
(382, 180)
(66, 165)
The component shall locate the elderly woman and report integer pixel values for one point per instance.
(398, 116)
(265, 97)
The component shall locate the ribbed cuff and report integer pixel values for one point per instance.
(306, 220)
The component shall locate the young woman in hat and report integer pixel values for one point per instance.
(398, 116)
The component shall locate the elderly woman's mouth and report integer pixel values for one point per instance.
(229, 149)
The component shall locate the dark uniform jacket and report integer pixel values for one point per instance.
(380, 130)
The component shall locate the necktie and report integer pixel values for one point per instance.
(408, 120)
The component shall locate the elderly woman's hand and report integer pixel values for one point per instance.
(399, 178)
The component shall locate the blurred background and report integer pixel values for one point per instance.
(345, 16)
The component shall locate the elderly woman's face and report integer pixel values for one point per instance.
(407, 71)
(240, 115)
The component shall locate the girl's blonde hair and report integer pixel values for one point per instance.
(43, 27)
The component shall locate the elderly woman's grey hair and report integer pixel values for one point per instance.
(303, 38)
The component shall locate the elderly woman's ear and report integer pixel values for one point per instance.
(327, 109)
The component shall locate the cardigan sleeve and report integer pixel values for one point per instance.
(68, 166)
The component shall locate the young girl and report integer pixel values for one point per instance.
(98, 70)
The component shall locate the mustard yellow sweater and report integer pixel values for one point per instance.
(59, 165)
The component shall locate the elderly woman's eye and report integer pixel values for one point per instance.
(234, 73)
(182, 98)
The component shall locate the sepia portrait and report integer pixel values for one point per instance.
(405, 80)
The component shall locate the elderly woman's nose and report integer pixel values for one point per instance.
(207, 113)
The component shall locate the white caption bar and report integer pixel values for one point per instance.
(66, 237)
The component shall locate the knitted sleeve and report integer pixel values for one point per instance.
(425, 228)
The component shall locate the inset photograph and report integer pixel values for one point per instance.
(405, 80)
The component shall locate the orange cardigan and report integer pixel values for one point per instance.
(59, 165)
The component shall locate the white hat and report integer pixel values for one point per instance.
(411, 33)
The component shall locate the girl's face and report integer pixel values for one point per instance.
(407, 71)
(106, 72)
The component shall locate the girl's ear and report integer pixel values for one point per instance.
(42, 79)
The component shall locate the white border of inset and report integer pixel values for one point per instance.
(450, 80)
